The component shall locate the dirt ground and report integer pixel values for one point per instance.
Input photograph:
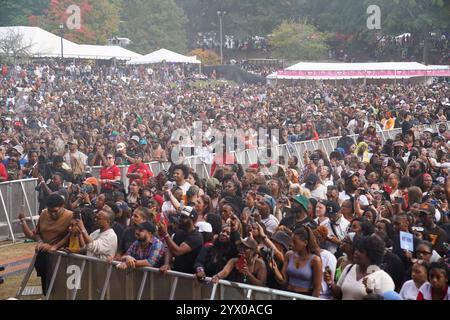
(12, 282)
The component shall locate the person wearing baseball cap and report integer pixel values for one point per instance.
(146, 251)
(185, 244)
(247, 268)
(205, 229)
(437, 235)
(266, 206)
(139, 170)
(299, 214)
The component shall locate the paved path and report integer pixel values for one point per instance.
(16, 265)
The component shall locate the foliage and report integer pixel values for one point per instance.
(207, 57)
(298, 40)
(154, 24)
(99, 20)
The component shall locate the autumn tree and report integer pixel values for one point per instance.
(98, 19)
(207, 57)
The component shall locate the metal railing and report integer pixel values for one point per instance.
(13, 195)
(250, 156)
(78, 277)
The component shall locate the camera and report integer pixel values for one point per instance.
(267, 253)
(362, 192)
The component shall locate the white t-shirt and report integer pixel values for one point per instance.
(271, 223)
(327, 223)
(185, 187)
(353, 289)
(320, 192)
(328, 259)
(344, 196)
(78, 154)
(425, 290)
(104, 244)
(409, 291)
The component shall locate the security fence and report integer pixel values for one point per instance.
(78, 277)
(14, 195)
(250, 156)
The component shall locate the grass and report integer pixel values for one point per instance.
(12, 283)
(9, 288)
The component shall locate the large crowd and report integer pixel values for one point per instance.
(336, 227)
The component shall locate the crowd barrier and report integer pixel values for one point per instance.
(249, 156)
(13, 195)
(78, 277)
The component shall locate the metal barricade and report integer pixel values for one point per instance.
(77, 277)
(250, 156)
(13, 195)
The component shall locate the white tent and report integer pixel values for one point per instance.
(41, 43)
(164, 55)
(108, 52)
(372, 70)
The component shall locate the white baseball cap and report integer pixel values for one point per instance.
(204, 226)
(120, 146)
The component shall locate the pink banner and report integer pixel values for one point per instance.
(367, 73)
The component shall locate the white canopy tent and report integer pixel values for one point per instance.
(164, 55)
(372, 70)
(41, 43)
(108, 52)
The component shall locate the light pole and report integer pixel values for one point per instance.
(61, 29)
(221, 14)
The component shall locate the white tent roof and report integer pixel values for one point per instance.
(313, 66)
(371, 70)
(164, 55)
(108, 52)
(45, 44)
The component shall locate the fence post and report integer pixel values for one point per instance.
(28, 204)
(7, 215)
(106, 285)
(141, 288)
(52, 282)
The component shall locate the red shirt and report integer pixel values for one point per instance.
(142, 168)
(3, 172)
(109, 173)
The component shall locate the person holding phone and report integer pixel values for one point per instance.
(247, 268)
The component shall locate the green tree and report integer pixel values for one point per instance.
(17, 12)
(154, 24)
(298, 40)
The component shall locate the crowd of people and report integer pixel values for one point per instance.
(333, 227)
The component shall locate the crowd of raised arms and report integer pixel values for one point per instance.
(334, 226)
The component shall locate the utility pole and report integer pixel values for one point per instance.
(61, 29)
(221, 14)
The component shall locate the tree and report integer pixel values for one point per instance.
(207, 57)
(154, 24)
(298, 40)
(13, 45)
(99, 19)
(17, 12)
